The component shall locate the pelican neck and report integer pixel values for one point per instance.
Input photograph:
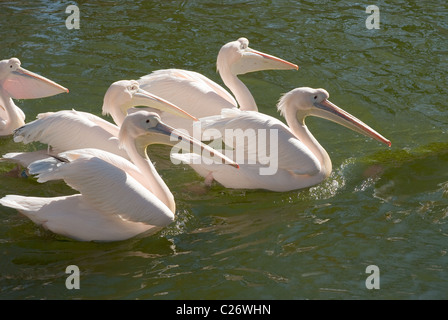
(136, 150)
(242, 94)
(15, 114)
(296, 122)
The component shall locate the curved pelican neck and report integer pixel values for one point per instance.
(136, 150)
(16, 117)
(117, 115)
(242, 94)
(296, 122)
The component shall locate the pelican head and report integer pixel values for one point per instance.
(20, 83)
(314, 102)
(125, 94)
(146, 128)
(8, 66)
(241, 59)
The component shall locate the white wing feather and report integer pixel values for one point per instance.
(106, 188)
(25, 158)
(73, 217)
(189, 90)
(292, 154)
(70, 129)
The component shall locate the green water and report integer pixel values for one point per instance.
(381, 206)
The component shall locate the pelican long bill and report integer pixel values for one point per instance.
(330, 111)
(165, 134)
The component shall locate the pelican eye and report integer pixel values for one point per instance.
(243, 43)
(147, 120)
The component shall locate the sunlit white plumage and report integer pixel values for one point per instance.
(118, 198)
(203, 97)
(300, 161)
(19, 83)
(70, 129)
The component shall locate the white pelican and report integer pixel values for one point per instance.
(201, 96)
(118, 199)
(69, 129)
(19, 83)
(283, 157)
